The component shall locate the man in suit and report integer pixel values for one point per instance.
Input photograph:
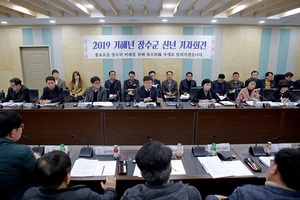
(96, 92)
(186, 84)
(147, 93)
(220, 86)
(114, 87)
(254, 75)
(17, 160)
(282, 180)
(130, 85)
(289, 76)
(268, 82)
(235, 83)
(58, 81)
(52, 93)
(16, 92)
(156, 82)
(170, 87)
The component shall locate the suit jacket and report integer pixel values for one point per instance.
(117, 86)
(61, 83)
(277, 95)
(173, 88)
(183, 87)
(135, 85)
(141, 94)
(55, 96)
(200, 95)
(244, 94)
(215, 86)
(263, 84)
(76, 90)
(240, 84)
(20, 96)
(16, 169)
(101, 96)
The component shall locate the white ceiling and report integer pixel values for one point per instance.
(147, 12)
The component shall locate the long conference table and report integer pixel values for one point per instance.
(132, 126)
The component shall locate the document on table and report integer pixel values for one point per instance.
(214, 166)
(11, 104)
(103, 104)
(226, 103)
(266, 160)
(237, 168)
(177, 169)
(89, 168)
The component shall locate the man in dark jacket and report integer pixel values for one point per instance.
(52, 172)
(282, 180)
(52, 93)
(154, 161)
(17, 161)
(16, 92)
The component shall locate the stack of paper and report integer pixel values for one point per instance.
(88, 168)
(266, 160)
(187, 96)
(11, 104)
(227, 103)
(177, 169)
(103, 104)
(218, 169)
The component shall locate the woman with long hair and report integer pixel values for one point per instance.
(77, 87)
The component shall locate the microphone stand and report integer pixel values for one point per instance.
(259, 150)
(119, 105)
(150, 105)
(265, 105)
(85, 152)
(38, 149)
(200, 151)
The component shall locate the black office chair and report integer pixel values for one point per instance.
(66, 95)
(296, 95)
(267, 94)
(2, 94)
(278, 77)
(233, 95)
(194, 91)
(33, 95)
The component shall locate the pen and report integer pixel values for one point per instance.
(103, 170)
(174, 169)
(252, 164)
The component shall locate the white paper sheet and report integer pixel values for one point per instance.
(266, 160)
(214, 166)
(84, 168)
(237, 168)
(103, 104)
(106, 168)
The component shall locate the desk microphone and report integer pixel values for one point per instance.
(119, 105)
(149, 138)
(86, 152)
(38, 149)
(293, 94)
(179, 105)
(259, 150)
(265, 105)
(200, 151)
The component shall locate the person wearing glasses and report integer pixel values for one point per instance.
(282, 180)
(17, 160)
(16, 92)
(96, 92)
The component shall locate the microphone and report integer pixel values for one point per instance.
(38, 149)
(85, 152)
(265, 105)
(259, 150)
(149, 138)
(119, 105)
(200, 151)
(150, 105)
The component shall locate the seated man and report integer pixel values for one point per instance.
(220, 86)
(268, 82)
(206, 94)
(186, 84)
(52, 93)
(156, 82)
(282, 180)
(254, 76)
(170, 87)
(52, 172)
(16, 92)
(58, 81)
(17, 160)
(130, 85)
(96, 92)
(154, 161)
(114, 87)
(289, 76)
(147, 93)
(235, 83)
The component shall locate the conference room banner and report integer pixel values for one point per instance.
(149, 46)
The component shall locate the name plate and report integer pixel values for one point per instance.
(277, 147)
(220, 147)
(105, 150)
(55, 148)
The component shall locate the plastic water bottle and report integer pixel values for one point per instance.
(62, 148)
(179, 151)
(116, 152)
(213, 149)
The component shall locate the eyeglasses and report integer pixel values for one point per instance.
(22, 126)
